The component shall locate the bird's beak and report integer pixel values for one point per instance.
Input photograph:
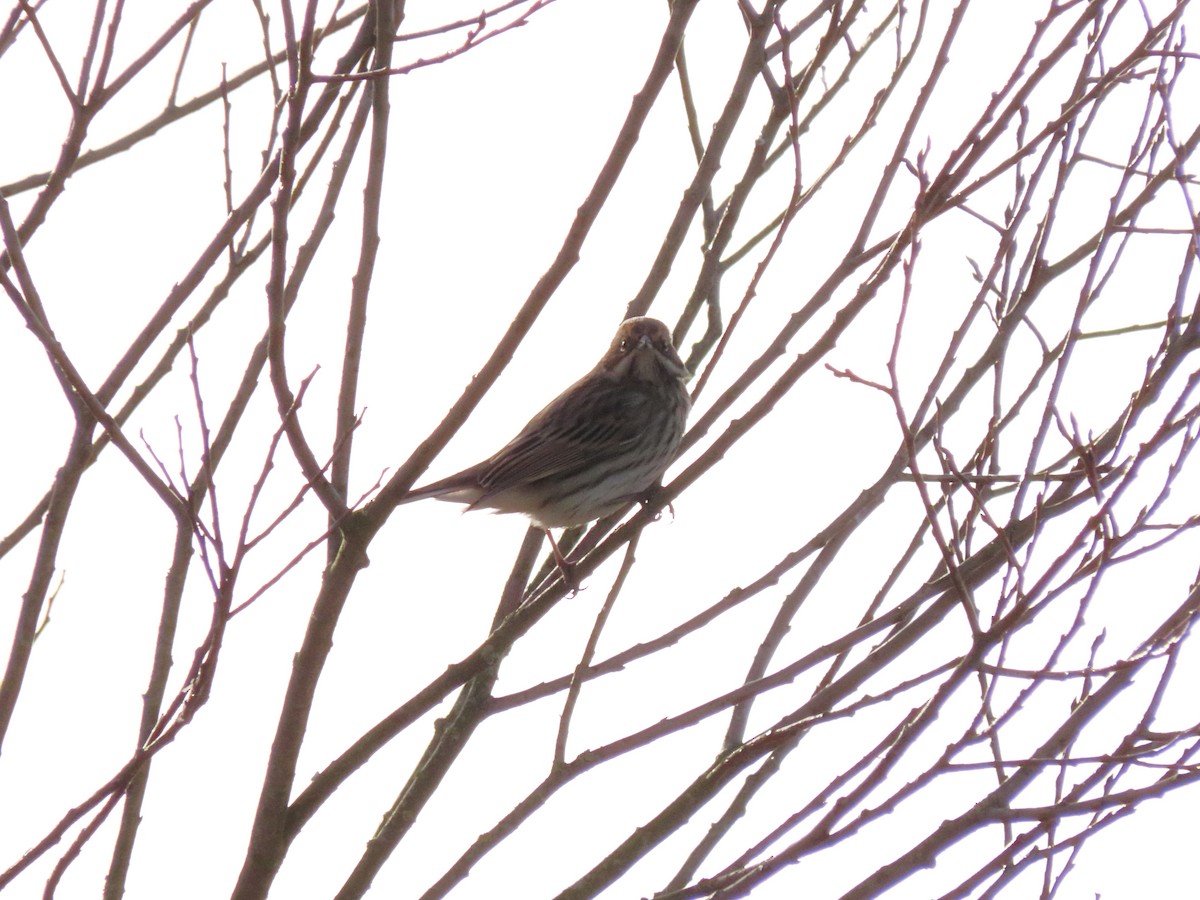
(670, 358)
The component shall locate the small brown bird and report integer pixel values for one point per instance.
(602, 443)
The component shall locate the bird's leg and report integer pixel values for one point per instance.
(567, 569)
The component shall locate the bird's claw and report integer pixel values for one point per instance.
(570, 579)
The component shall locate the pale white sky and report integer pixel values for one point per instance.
(488, 160)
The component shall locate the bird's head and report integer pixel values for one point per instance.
(642, 347)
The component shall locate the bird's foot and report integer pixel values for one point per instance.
(648, 500)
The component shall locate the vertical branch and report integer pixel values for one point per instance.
(152, 700)
(268, 838)
(299, 49)
(361, 284)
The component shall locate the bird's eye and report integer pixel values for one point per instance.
(624, 344)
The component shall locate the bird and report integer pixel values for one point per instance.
(603, 442)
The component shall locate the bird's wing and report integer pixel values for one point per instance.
(591, 421)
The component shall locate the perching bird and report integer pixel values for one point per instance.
(603, 442)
